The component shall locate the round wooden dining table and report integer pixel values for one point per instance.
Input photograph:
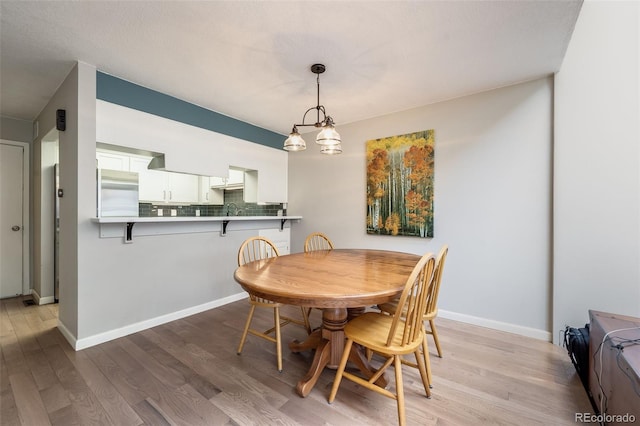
(341, 282)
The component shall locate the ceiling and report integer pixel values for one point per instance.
(250, 59)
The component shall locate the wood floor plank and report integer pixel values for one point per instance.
(159, 370)
(8, 409)
(160, 356)
(187, 372)
(117, 409)
(4, 373)
(30, 407)
(65, 416)
(48, 313)
(171, 402)
(83, 400)
(248, 411)
(40, 369)
(26, 335)
(152, 415)
(126, 385)
(12, 355)
(209, 413)
(13, 306)
(6, 328)
(50, 336)
(227, 378)
(55, 398)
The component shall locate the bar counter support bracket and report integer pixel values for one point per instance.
(128, 239)
(224, 227)
(282, 221)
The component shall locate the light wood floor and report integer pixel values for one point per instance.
(187, 373)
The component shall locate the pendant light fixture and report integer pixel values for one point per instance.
(328, 138)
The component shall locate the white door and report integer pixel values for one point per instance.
(11, 176)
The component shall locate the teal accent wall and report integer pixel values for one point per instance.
(127, 94)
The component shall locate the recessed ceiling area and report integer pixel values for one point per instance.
(250, 60)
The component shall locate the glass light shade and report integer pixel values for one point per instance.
(328, 135)
(295, 142)
(331, 149)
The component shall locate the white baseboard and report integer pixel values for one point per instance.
(97, 339)
(87, 342)
(497, 325)
(41, 300)
(67, 334)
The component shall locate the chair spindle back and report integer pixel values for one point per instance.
(432, 297)
(256, 248)
(412, 303)
(317, 241)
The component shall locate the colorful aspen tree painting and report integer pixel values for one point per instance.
(400, 185)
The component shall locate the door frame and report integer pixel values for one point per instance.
(26, 222)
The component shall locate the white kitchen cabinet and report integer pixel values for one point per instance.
(164, 187)
(217, 182)
(112, 161)
(151, 183)
(209, 195)
(183, 188)
(234, 180)
(268, 184)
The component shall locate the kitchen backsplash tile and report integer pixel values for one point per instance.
(235, 198)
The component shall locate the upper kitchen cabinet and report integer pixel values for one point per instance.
(234, 180)
(266, 180)
(112, 161)
(209, 194)
(160, 186)
(196, 151)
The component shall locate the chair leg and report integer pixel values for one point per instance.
(341, 367)
(305, 317)
(246, 329)
(399, 389)
(368, 353)
(276, 319)
(434, 332)
(423, 372)
(427, 361)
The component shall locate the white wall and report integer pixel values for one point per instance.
(109, 289)
(16, 130)
(76, 95)
(492, 201)
(597, 167)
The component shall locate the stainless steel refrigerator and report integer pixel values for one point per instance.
(117, 193)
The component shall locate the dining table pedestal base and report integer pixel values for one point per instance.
(328, 342)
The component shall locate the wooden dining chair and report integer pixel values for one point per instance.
(431, 311)
(257, 248)
(392, 336)
(317, 241)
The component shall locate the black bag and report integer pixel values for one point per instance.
(576, 340)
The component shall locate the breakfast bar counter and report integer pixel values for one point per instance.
(112, 227)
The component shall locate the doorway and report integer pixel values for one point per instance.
(46, 286)
(14, 210)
